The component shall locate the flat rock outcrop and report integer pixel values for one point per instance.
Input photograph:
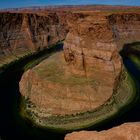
(128, 131)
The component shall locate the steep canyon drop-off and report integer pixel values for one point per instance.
(90, 76)
(24, 33)
(91, 51)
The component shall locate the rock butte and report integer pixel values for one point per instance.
(92, 69)
(128, 131)
(85, 76)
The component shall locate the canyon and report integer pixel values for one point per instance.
(81, 85)
(22, 34)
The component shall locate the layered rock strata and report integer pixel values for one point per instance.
(24, 33)
(92, 46)
(49, 86)
(128, 131)
(92, 84)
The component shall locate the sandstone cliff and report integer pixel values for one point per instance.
(24, 33)
(128, 131)
(93, 43)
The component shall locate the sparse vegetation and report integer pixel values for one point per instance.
(54, 71)
(81, 120)
(121, 100)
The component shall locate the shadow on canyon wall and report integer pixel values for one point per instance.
(13, 127)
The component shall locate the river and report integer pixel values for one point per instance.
(12, 126)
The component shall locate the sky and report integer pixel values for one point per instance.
(28, 3)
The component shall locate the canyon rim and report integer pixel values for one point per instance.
(81, 80)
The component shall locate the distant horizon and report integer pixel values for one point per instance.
(67, 5)
(7, 4)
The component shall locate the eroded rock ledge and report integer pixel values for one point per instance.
(91, 52)
(128, 131)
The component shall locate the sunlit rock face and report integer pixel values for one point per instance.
(128, 131)
(57, 92)
(93, 43)
(91, 52)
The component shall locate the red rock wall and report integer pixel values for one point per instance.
(92, 46)
(20, 32)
